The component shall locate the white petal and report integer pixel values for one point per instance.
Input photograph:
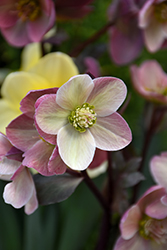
(74, 92)
(111, 132)
(76, 149)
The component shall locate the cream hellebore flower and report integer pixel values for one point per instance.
(52, 70)
(82, 115)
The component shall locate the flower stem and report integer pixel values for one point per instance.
(92, 39)
(95, 191)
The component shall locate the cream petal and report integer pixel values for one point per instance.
(16, 86)
(107, 95)
(50, 117)
(30, 56)
(76, 149)
(56, 67)
(111, 132)
(7, 114)
(74, 92)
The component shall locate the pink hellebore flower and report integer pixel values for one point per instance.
(21, 191)
(26, 21)
(150, 81)
(126, 41)
(153, 21)
(82, 115)
(144, 225)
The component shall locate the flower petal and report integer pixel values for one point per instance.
(130, 222)
(158, 167)
(19, 191)
(76, 149)
(74, 92)
(32, 204)
(56, 165)
(38, 156)
(7, 114)
(107, 95)
(50, 117)
(27, 104)
(23, 82)
(135, 243)
(30, 56)
(22, 133)
(56, 67)
(156, 210)
(111, 132)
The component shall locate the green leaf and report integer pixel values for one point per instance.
(55, 188)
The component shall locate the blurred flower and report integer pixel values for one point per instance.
(52, 70)
(92, 66)
(153, 21)
(25, 21)
(126, 40)
(144, 225)
(150, 81)
(21, 191)
(82, 115)
(72, 9)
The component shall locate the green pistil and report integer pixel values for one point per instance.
(160, 12)
(82, 117)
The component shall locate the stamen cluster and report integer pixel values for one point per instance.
(160, 12)
(83, 117)
(28, 9)
(153, 229)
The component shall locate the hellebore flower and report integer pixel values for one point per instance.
(153, 21)
(82, 115)
(150, 81)
(126, 41)
(21, 191)
(26, 21)
(144, 225)
(52, 70)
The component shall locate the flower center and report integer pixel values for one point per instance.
(28, 9)
(82, 117)
(160, 12)
(153, 229)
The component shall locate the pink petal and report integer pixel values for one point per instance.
(22, 133)
(146, 14)
(38, 28)
(130, 222)
(76, 149)
(158, 167)
(111, 132)
(50, 117)
(5, 145)
(28, 102)
(56, 165)
(17, 34)
(74, 92)
(8, 15)
(32, 204)
(8, 166)
(107, 95)
(135, 243)
(38, 156)
(19, 192)
(156, 210)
